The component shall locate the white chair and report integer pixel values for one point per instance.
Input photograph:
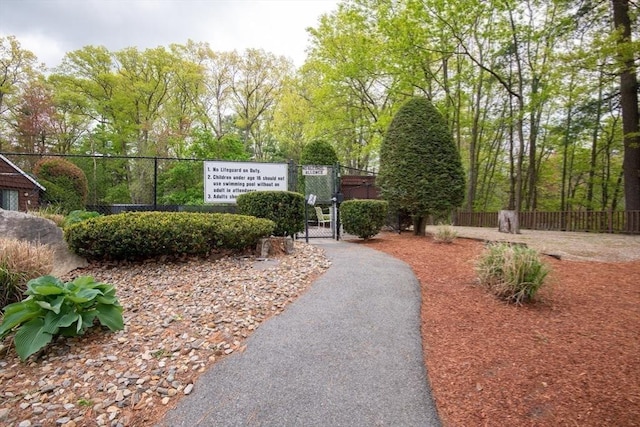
(323, 218)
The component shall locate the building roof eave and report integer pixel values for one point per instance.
(10, 163)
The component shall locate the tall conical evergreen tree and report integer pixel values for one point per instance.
(420, 168)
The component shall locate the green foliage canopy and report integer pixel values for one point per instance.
(318, 152)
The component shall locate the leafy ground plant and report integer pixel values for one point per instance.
(55, 308)
(77, 216)
(513, 273)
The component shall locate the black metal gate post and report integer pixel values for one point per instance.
(306, 222)
(155, 183)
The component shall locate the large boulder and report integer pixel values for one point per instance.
(31, 228)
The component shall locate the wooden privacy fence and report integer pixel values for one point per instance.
(359, 187)
(589, 221)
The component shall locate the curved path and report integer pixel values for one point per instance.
(346, 353)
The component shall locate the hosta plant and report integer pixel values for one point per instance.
(55, 308)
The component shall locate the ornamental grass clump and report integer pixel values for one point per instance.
(513, 273)
(445, 233)
(52, 213)
(54, 308)
(21, 261)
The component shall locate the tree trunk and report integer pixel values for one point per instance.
(419, 225)
(508, 222)
(629, 103)
(472, 185)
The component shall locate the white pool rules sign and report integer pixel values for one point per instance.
(224, 181)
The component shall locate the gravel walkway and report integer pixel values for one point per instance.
(562, 244)
(347, 353)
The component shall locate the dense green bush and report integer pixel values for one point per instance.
(55, 308)
(318, 152)
(77, 216)
(143, 235)
(364, 218)
(60, 197)
(513, 273)
(420, 167)
(284, 208)
(21, 261)
(66, 184)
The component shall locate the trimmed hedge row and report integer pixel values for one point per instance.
(143, 235)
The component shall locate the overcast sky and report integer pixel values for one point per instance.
(50, 28)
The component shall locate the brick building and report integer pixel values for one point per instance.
(18, 191)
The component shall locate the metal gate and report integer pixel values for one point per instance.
(320, 185)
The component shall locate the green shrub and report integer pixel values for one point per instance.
(238, 232)
(55, 308)
(445, 233)
(21, 261)
(143, 235)
(65, 182)
(60, 197)
(513, 273)
(364, 218)
(284, 208)
(77, 216)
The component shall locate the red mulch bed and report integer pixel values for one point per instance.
(572, 358)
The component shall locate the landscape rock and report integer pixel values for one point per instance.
(34, 229)
(4, 413)
(272, 246)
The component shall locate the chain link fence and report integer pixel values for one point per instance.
(119, 184)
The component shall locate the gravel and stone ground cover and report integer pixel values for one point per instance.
(180, 318)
